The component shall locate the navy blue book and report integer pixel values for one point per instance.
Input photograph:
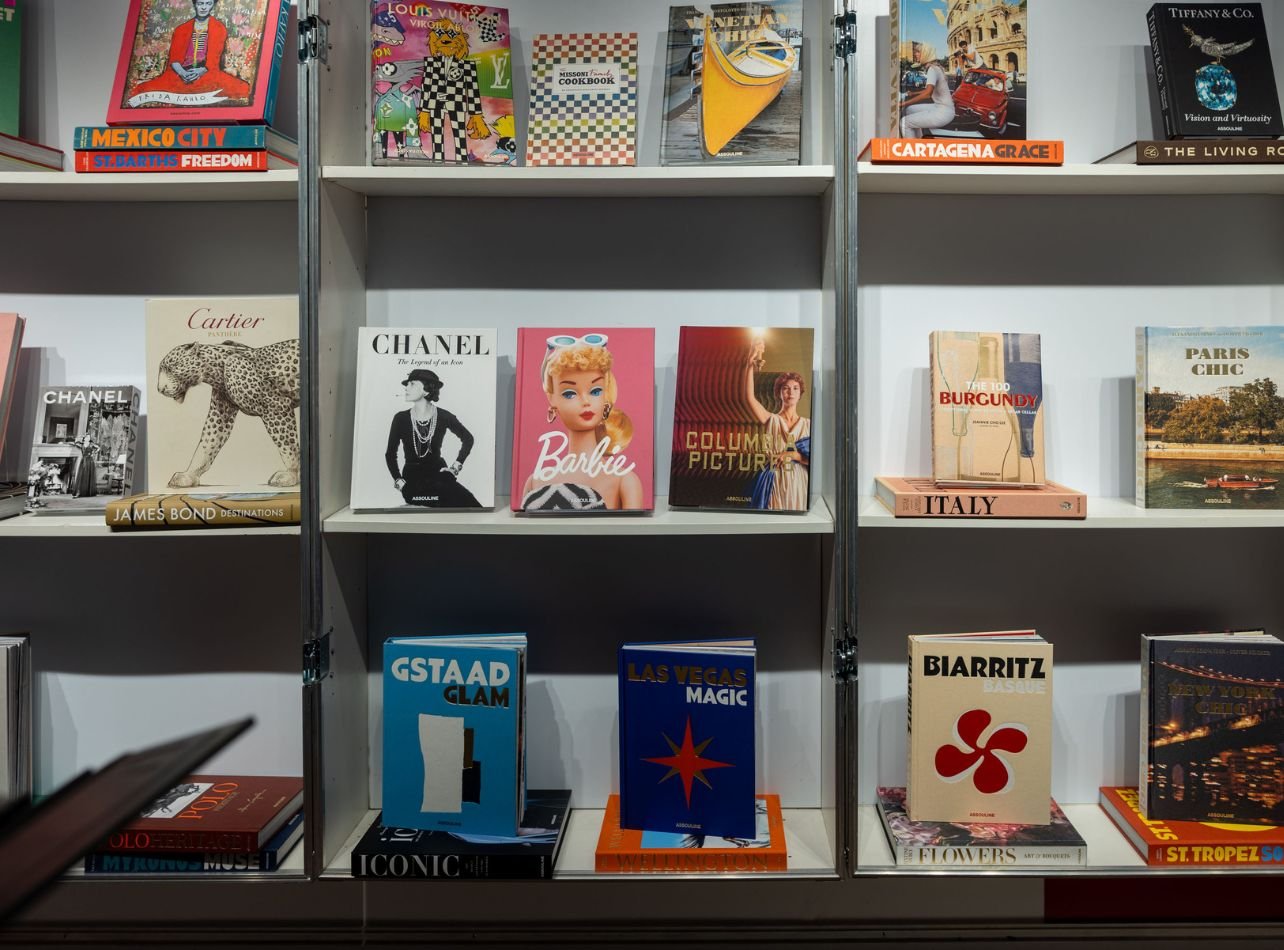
(687, 737)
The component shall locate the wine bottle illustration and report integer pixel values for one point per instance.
(1023, 369)
(957, 361)
(991, 437)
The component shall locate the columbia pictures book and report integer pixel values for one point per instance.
(1213, 70)
(742, 419)
(980, 728)
(223, 374)
(1211, 728)
(987, 409)
(83, 453)
(425, 419)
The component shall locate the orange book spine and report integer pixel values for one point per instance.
(143, 160)
(967, 152)
(620, 850)
(920, 498)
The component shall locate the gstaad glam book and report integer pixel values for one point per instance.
(583, 99)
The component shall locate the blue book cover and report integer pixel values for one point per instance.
(687, 737)
(453, 724)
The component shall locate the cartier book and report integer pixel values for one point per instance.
(583, 99)
(83, 454)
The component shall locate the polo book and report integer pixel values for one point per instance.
(454, 724)
(687, 759)
(1192, 843)
(10, 65)
(200, 862)
(583, 99)
(83, 453)
(229, 510)
(921, 498)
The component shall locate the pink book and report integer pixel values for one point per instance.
(583, 430)
(11, 327)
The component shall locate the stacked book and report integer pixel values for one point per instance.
(183, 148)
(17, 154)
(13, 495)
(15, 718)
(23, 155)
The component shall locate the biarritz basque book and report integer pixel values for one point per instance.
(200, 862)
(980, 728)
(1192, 843)
(630, 851)
(424, 435)
(454, 726)
(687, 759)
(83, 453)
(583, 99)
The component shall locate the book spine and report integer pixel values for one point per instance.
(1006, 856)
(742, 861)
(894, 76)
(1161, 70)
(980, 505)
(97, 138)
(460, 867)
(278, 54)
(190, 842)
(1211, 152)
(228, 160)
(180, 862)
(181, 511)
(1143, 760)
(1269, 856)
(1140, 410)
(909, 729)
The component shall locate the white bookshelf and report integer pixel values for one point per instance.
(275, 185)
(95, 526)
(1070, 179)
(1102, 513)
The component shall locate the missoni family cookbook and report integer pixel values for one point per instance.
(584, 99)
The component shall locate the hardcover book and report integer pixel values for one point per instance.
(584, 423)
(584, 99)
(987, 409)
(734, 84)
(920, 498)
(10, 65)
(83, 453)
(425, 420)
(1213, 70)
(441, 84)
(1211, 732)
(247, 510)
(1188, 843)
(223, 160)
(200, 862)
(26, 156)
(1210, 417)
(12, 327)
(224, 377)
(742, 419)
(687, 759)
(15, 718)
(454, 724)
(980, 728)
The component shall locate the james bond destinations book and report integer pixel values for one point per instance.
(584, 99)
(424, 435)
(1187, 843)
(180, 510)
(83, 454)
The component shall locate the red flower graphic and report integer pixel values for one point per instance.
(992, 775)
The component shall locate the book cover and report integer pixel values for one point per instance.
(625, 851)
(687, 754)
(10, 65)
(223, 160)
(1211, 728)
(83, 453)
(454, 722)
(1210, 417)
(1187, 843)
(200, 862)
(441, 84)
(390, 852)
(12, 328)
(921, 498)
(742, 419)
(584, 423)
(987, 409)
(583, 100)
(733, 86)
(224, 378)
(246, 510)
(980, 728)
(424, 435)
(958, 69)
(1213, 71)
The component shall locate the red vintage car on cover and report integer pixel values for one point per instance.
(982, 99)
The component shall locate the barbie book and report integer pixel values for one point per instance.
(425, 420)
(584, 99)
(83, 453)
(584, 432)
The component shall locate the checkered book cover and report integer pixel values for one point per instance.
(584, 99)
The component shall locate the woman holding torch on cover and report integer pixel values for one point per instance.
(782, 485)
(931, 107)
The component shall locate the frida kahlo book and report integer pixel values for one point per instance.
(583, 99)
(1188, 843)
(83, 452)
(629, 851)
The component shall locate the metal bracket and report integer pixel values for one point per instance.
(845, 34)
(314, 39)
(316, 660)
(845, 659)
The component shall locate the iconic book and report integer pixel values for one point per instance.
(1210, 417)
(425, 419)
(624, 851)
(388, 852)
(199, 61)
(200, 862)
(584, 99)
(1168, 843)
(12, 327)
(223, 160)
(10, 65)
(1213, 70)
(584, 429)
(83, 453)
(987, 409)
(15, 718)
(957, 844)
(1211, 731)
(454, 722)
(687, 760)
(920, 498)
(441, 84)
(742, 419)
(733, 86)
(264, 509)
(224, 381)
(980, 728)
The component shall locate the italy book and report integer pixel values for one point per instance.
(625, 851)
(199, 61)
(982, 845)
(10, 65)
(200, 862)
(980, 728)
(16, 718)
(987, 409)
(584, 421)
(83, 453)
(733, 88)
(1192, 843)
(454, 725)
(441, 84)
(424, 433)
(1211, 729)
(389, 852)
(687, 731)
(742, 419)
(223, 416)
(583, 99)
(1210, 418)
(921, 498)
(228, 510)
(1213, 70)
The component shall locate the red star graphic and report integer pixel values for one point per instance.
(688, 762)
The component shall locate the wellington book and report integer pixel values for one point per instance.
(200, 862)
(625, 851)
(1189, 843)
(228, 510)
(921, 498)
(583, 99)
(83, 454)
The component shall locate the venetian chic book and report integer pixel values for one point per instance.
(83, 453)
(1188, 843)
(625, 851)
(584, 99)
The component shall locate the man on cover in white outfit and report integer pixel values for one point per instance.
(930, 108)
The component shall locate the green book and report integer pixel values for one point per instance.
(10, 64)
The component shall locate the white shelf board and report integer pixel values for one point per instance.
(276, 185)
(291, 869)
(1102, 513)
(663, 521)
(1070, 180)
(93, 526)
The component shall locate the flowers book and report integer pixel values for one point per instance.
(584, 99)
(83, 454)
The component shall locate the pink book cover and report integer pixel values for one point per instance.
(11, 327)
(922, 498)
(584, 429)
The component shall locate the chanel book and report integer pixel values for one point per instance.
(83, 453)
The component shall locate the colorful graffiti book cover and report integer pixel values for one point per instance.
(584, 430)
(584, 99)
(734, 84)
(83, 452)
(441, 84)
(187, 61)
(10, 65)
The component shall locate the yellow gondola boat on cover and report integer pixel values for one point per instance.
(737, 86)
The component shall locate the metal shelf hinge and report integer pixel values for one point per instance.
(314, 36)
(316, 660)
(845, 33)
(845, 658)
